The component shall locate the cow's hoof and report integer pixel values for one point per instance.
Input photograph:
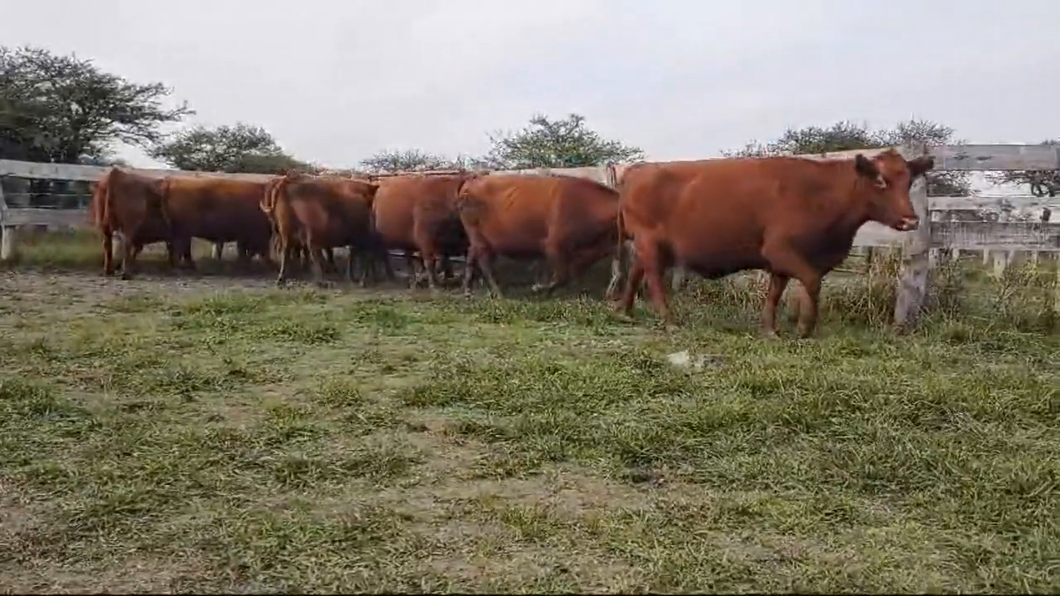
(125, 276)
(281, 282)
(324, 285)
(769, 335)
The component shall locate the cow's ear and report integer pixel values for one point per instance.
(865, 167)
(920, 165)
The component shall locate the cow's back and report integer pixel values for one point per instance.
(392, 210)
(338, 211)
(218, 209)
(511, 212)
(714, 214)
(131, 204)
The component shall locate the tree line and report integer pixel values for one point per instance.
(65, 109)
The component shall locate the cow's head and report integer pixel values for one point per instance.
(886, 179)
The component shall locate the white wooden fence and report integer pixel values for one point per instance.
(946, 230)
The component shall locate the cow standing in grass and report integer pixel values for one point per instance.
(569, 221)
(132, 207)
(321, 213)
(218, 210)
(789, 216)
(418, 213)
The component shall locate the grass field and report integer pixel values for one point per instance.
(217, 434)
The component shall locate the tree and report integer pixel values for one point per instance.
(65, 109)
(564, 143)
(240, 148)
(1041, 183)
(412, 160)
(847, 135)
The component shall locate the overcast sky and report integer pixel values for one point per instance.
(336, 81)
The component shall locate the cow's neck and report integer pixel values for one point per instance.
(849, 211)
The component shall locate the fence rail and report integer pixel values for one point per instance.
(945, 227)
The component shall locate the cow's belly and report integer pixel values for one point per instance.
(720, 267)
(715, 257)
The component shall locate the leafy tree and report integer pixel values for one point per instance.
(412, 160)
(847, 135)
(64, 109)
(563, 143)
(1041, 183)
(240, 148)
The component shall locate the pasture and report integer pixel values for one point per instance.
(213, 433)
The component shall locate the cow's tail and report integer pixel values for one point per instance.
(164, 186)
(616, 258)
(273, 188)
(99, 209)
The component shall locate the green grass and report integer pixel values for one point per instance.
(156, 435)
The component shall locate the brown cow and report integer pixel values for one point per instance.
(418, 213)
(131, 206)
(218, 210)
(569, 221)
(320, 213)
(791, 217)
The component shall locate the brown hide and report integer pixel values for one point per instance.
(299, 251)
(131, 206)
(570, 221)
(418, 213)
(322, 213)
(218, 210)
(792, 217)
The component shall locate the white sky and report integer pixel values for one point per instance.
(337, 81)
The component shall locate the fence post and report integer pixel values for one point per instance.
(913, 277)
(8, 242)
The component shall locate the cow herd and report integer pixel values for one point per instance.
(793, 217)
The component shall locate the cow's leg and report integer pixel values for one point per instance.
(128, 256)
(287, 254)
(383, 255)
(182, 246)
(302, 254)
(566, 269)
(379, 256)
(317, 253)
(429, 257)
(636, 276)
(189, 261)
(471, 269)
(777, 284)
(485, 264)
(785, 260)
(171, 256)
(329, 253)
(218, 250)
(413, 263)
(616, 272)
(652, 269)
(350, 258)
(447, 267)
(107, 238)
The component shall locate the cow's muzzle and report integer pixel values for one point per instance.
(907, 224)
